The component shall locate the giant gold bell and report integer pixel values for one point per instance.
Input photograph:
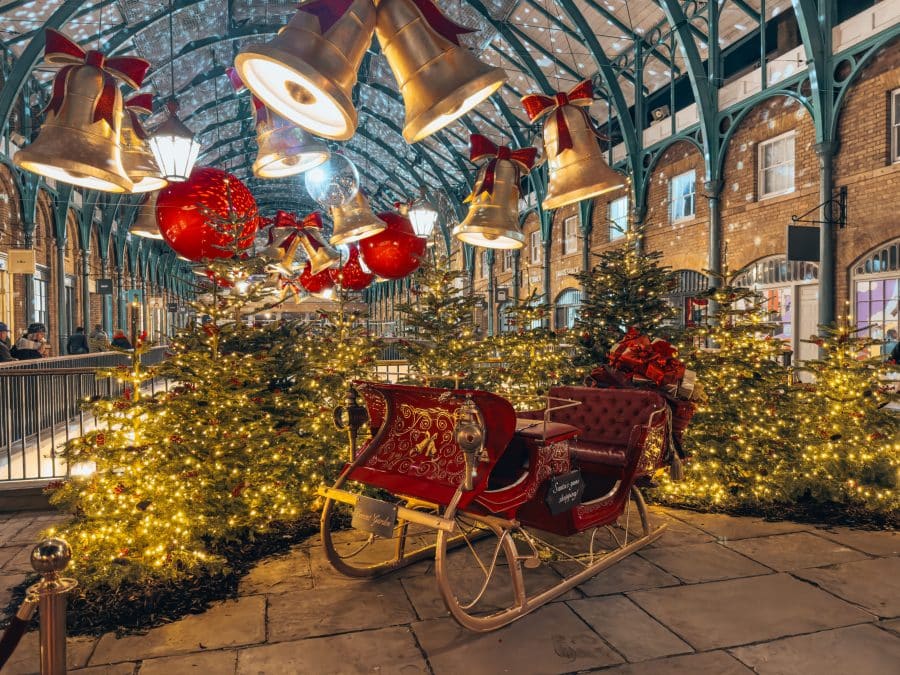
(439, 80)
(74, 149)
(285, 149)
(578, 172)
(307, 74)
(321, 256)
(146, 225)
(354, 221)
(139, 163)
(493, 219)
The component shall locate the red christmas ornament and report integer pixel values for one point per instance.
(395, 252)
(182, 213)
(316, 283)
(351, 276)
(221, 282)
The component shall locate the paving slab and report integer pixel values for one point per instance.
(207, 663)
(726, 527)
(741, 611)
(695, 563)
(109, 669)
(678, 532)
(226, 624)
(873, 542)
(338, 610)
(7, 553)
(20, 563)
(628, 629)
(631, 574)
(871, 584)
(387, 651)
(707, 663)
(551, 640)
(11, 527)
(33, 531)
(857, 650)
(281, 574)
(7, 583)
(892, 625)
(795, 551)
(27, 657)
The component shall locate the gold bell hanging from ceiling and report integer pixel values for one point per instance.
(284, 148)
(145, 224)
(139, 163)
(438, 78)
(354, 221)
(307, 72)
(321, 256)
(577, 169)
(79, 140)
(493, 218)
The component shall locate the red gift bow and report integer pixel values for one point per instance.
(636, 354)
(290, 283)
(481, 147)
(329, 12)
(142, 103)
(581, 96)
(60, 50)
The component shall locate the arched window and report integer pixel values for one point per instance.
(690, 311)
(791, 292)
(567, 304)
(875, 284)
(503, 318)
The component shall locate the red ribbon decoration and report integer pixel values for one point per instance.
(635, 354)
(440, 23)
(481, 147)
(328, 12)
(60, 50)
(290, 283)
(581, 96)
(142, 103)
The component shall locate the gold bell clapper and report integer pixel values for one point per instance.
(493, 218)
(439, 79)
(577, 170)
(284, 148)
(79, 140)
(307, 72)
(321, 256)
(139, 163)
(145, 225)
(354, 221)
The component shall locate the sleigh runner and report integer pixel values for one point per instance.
(508, 490)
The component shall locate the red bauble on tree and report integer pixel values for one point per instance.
(316, 283)
(395, 252)
(351, 276)
(194, 215)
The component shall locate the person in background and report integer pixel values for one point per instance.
(120, 340)
(99, 339)
(77, 343)
(5, 354)
(32, 345)
(890, 344)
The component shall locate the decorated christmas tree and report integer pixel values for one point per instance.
(527, 360)
(440, 330)
(625, 288)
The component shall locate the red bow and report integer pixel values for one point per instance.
(581, 96)
(60, 50)
(635, 354)
(314, 219)
(292, 284)
(141, 103)
(481, 147)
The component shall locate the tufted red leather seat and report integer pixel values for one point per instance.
(535, 429)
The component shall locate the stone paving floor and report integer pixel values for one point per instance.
(715, 595)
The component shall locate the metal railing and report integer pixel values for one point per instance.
(42, 408)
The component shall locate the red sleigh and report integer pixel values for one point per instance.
(463, 464)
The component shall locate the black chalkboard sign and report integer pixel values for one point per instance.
(564, 491)
(374, 516)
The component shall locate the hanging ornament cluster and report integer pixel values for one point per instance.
(79, 142)
(350, 275)
(307, 73)
(493, 218)
(191, 215)
(577, 170)
(395, 252)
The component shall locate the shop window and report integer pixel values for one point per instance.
(41, 288)
(682, 193)
(505, 320)
(570, 235)
(776, 166)
(618, 218)
(876, 295)
(536, 247)
(485, 266)
(507, 263)
(689, 309)
(566, 308)
(895, 125)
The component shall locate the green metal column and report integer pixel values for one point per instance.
(490, 265)
(547, 281)
(713, 190)
(517, 272)
(121, 318)
(62, 318)
(827, 268)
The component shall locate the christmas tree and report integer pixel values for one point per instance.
(625, 288)
(741, 441)
(528, 359)
(440, 329)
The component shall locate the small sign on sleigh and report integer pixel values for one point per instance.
(375, 516)
(564, 491)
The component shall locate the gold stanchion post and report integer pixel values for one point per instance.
(49, 559)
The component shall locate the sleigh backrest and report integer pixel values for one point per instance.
(414, 451)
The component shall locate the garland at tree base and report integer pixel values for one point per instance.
(136, 607)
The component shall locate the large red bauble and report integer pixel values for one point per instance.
(394, 252)
(182, 213)
(315, 283)
(351, 276)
